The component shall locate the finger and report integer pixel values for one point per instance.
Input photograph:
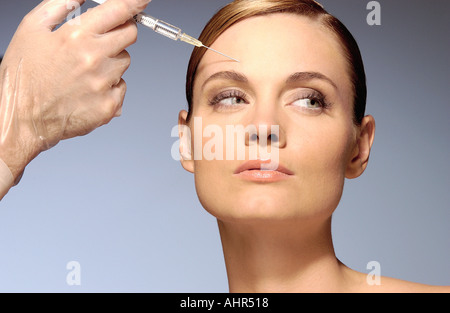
(50, 13)
(112, 13)
(120, 38)
(113, 106)
(119, 66)
(119, 92)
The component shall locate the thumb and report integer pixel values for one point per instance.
(50, 13)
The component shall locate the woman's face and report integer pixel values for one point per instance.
(292, 74)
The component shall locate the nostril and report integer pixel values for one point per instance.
(273, 137)
(253, 137)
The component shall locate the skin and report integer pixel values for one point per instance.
(276, 236)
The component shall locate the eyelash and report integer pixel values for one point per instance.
(317, 97)
(227, 95)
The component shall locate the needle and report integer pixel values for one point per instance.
(221, 53)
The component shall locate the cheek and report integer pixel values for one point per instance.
(211, 167)
(210, 184)
(320, 158)
(325, 150)
(323, 155)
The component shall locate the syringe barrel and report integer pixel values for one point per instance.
(159, 26)
(146, 20)
(168, 30)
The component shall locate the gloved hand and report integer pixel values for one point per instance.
(58, 84)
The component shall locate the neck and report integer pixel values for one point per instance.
(280, 257)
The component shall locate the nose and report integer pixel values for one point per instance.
(265, 127)
(265, 135)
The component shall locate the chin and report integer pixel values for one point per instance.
(267, 208)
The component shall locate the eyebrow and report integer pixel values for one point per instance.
(306, 76)
(294, 78)
(228, 75)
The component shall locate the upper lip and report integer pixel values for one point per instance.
(257, 165)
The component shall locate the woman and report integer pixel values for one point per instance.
(300, 84)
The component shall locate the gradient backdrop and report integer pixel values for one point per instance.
(117, 203)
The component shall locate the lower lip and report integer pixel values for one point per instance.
(263, 176)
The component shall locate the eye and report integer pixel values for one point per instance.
(309, 103)
(229, 98)
(231, 101)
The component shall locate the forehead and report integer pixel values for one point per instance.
(276, 45)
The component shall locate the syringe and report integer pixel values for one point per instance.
(168, 30)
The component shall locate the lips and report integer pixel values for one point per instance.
(258, 165)
(260, 171)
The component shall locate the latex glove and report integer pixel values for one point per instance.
(58, 84)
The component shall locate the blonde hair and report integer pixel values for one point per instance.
(239, 10)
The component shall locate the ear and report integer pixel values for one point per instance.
(361, 152)
(184, 133)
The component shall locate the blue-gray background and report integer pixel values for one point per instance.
(116, 202)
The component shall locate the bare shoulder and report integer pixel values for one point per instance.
(360, 283)
(392, 285)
